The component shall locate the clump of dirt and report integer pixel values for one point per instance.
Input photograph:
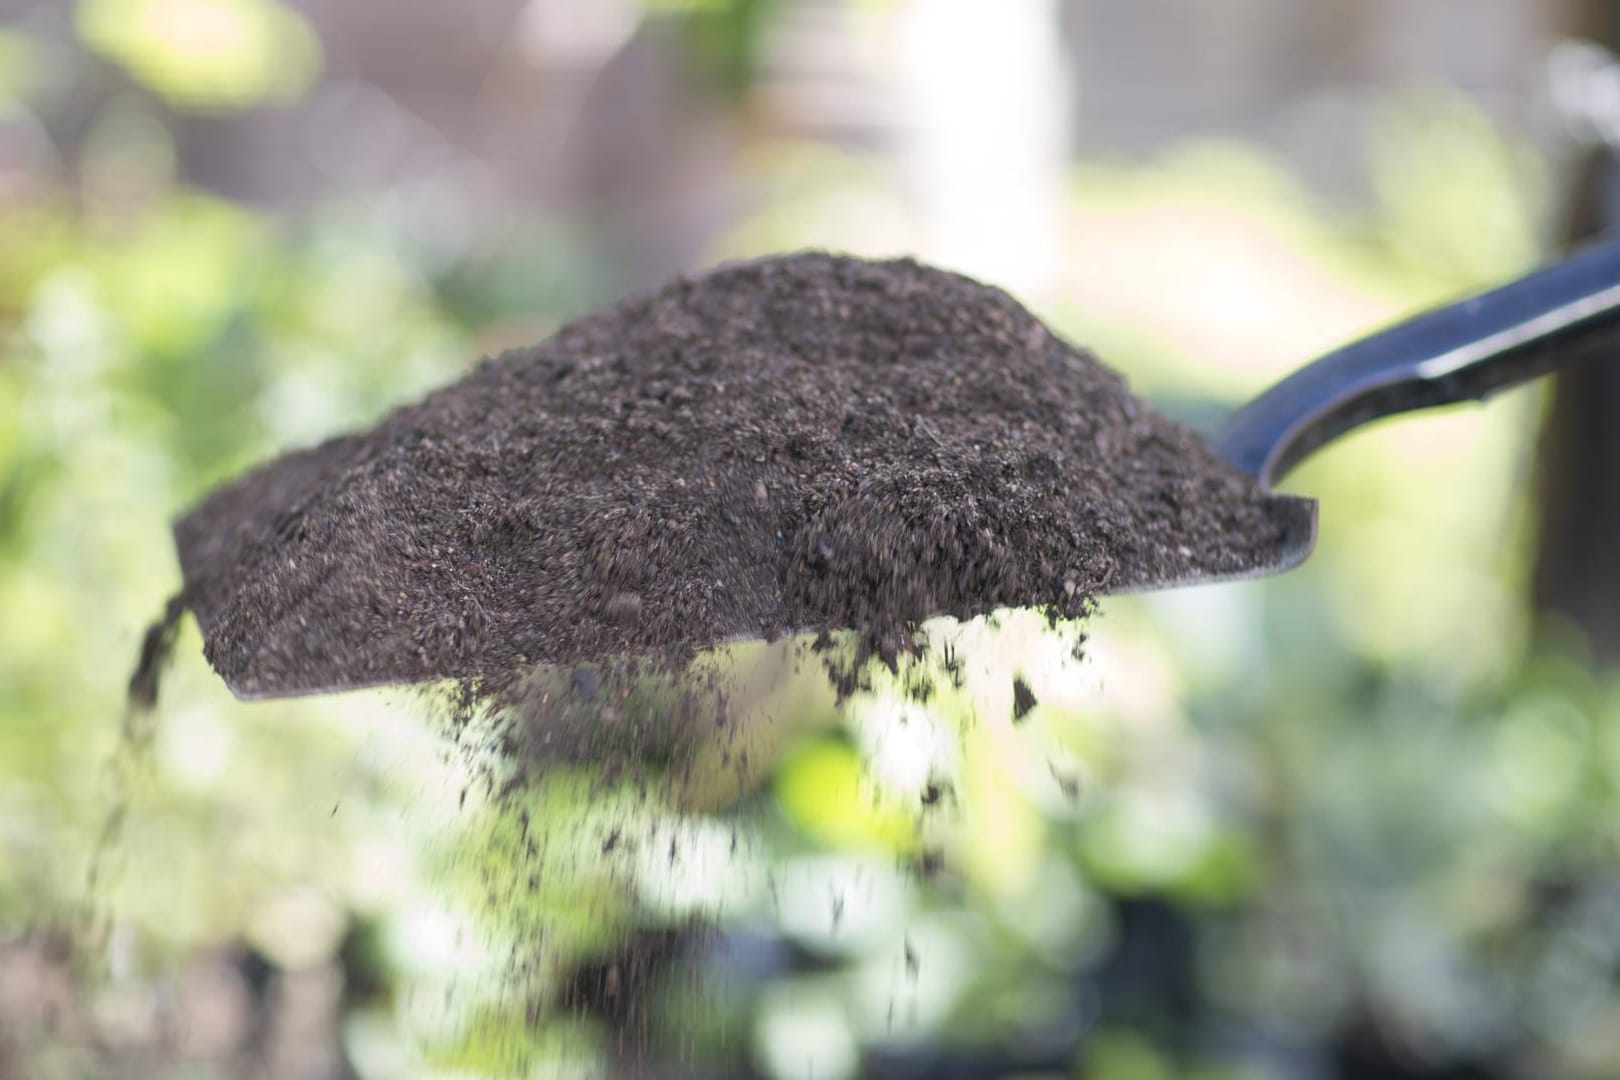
(1023, 700)
(797, 443)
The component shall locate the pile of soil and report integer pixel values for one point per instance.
(802, 443)
(796, 443)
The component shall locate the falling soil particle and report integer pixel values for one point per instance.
(791, 444)
(1069, 785)
(1023, 700)
(157, 647)
(127, 768)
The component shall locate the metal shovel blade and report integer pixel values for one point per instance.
(1295, 518)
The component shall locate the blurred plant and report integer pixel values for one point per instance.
(155, 340)
(725, 36)
(216, 54)
(19, 69)
(1457, 198)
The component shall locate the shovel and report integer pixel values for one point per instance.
(1470, 349)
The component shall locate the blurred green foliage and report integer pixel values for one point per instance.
(206, 53)
(725, 36)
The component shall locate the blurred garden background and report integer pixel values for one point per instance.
(1359, 821)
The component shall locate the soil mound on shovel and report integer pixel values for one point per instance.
(796, 443)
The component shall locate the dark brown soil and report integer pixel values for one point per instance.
(796, 443)
(1023, 700)
(805, 443)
